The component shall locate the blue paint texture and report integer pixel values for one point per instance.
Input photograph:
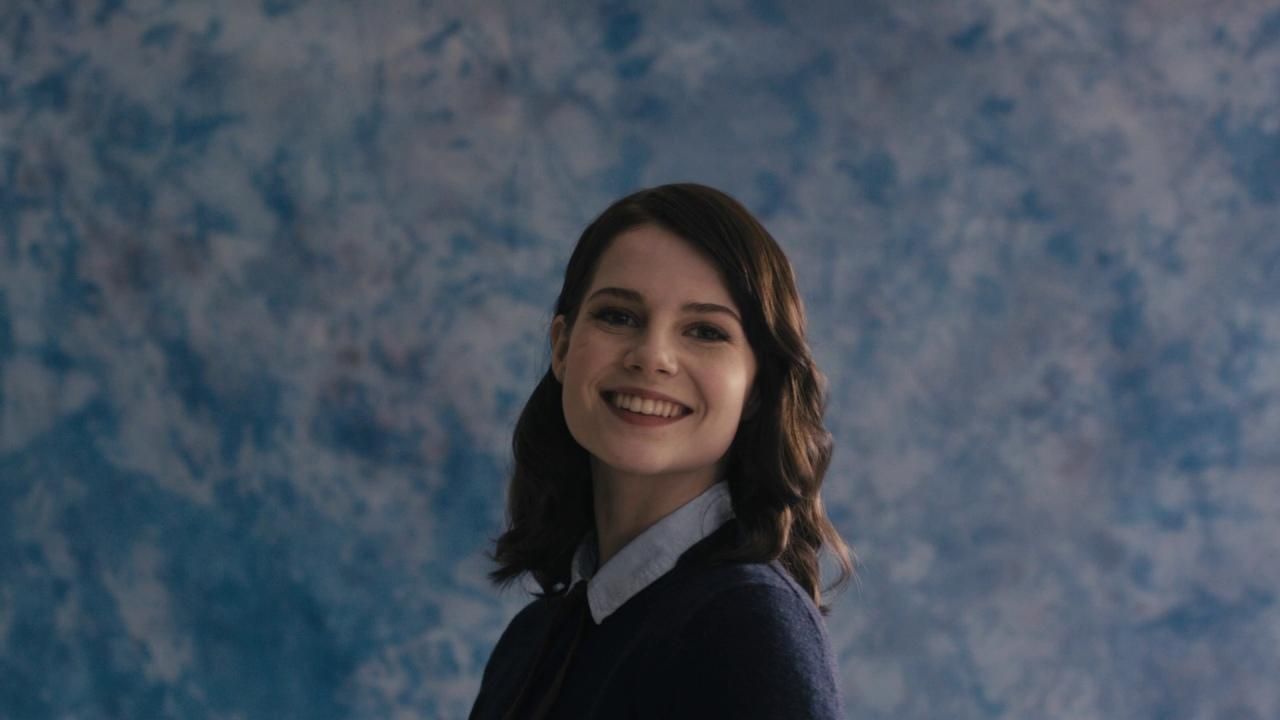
(275, 277)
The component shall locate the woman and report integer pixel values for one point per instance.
(666, 487)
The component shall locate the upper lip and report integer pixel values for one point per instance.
(641, 392)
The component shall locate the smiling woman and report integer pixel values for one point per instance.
(655, 337)
(666, 488)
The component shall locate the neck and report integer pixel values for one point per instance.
(626, 505)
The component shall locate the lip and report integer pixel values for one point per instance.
(643, 420)
(641, 392)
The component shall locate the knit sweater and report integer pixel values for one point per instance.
(705, 640)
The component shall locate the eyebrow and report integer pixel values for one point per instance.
(695, 307)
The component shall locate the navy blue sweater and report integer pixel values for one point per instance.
(705, 640)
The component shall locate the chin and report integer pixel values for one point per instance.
(636, 464)
(636, 467)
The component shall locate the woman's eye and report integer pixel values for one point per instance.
(614, 316)
(710, 332)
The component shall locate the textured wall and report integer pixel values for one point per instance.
(275, 279)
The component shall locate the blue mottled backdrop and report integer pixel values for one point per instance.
(275, 278)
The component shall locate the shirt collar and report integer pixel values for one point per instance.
(650, 554)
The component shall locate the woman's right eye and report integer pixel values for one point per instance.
(614, 316)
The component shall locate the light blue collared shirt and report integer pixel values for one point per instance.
(650, 555)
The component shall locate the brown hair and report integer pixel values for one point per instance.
(781, 452)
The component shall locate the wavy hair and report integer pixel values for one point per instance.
(780, 454)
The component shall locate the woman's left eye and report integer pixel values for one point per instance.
(710, 332)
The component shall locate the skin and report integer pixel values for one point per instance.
(697, 355)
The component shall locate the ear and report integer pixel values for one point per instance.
(559, 346)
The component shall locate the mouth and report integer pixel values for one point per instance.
(635, 406)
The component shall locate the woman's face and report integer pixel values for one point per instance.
(656, 323)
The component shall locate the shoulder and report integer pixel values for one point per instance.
(531, 620)
(511, 656)
(751, 645)
(741, 592)
(760, 609)
(521, 636)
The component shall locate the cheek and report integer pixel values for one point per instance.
(585, 358)
(730, 385)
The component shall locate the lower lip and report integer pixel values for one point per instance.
(644, 420)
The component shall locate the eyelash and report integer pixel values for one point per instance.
(603, 315)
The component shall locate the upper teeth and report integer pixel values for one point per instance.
(647, 406)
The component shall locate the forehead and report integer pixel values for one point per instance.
(658, 262)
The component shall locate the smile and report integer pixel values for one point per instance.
(644, 411)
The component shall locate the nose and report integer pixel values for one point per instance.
(652, 353)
